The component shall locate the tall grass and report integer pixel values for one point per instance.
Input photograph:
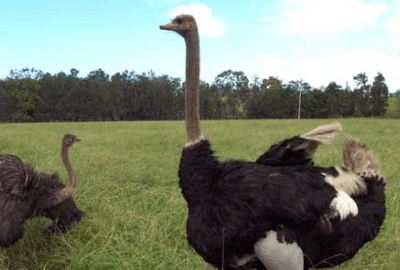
(135, 213)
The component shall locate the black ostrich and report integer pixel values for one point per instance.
(242, 214)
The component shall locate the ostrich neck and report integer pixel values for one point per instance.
(192, 88)
(68, 166)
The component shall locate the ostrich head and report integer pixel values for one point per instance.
(182, 24)
(69, 140)
(63, 215)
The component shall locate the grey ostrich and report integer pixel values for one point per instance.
(25, 193)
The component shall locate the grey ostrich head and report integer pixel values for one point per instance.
(69, 140)
(182, 24)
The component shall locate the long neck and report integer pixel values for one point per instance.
(68, 166)
(192, 88)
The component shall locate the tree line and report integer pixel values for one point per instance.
(29, 95)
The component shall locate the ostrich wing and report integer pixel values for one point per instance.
(297, 195)
(289, 152)
(300, 149)
(15, 176)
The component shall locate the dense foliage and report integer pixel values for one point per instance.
(29, 95)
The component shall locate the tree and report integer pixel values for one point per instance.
(348, 101)
(25, 98)
(379, 95)
(210, 101)
(314, 104)
(53, 95)
(234, 92)
(334, 99)
(74, 73)
(362, 96)
(7, 106)
(272, 100)
(26, 73)
(340, 102)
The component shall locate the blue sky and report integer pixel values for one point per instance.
(318, 41)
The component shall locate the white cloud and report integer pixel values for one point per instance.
(326, 19)
(152, 2)
(392, 25)
(293, 2)
(208, 25)
(338, 60)
(336, 65)
(272, 61)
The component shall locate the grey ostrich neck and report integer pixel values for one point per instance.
(68, 166)
(193, 130)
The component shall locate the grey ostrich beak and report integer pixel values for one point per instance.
(169, 26)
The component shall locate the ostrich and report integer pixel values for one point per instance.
(25, 193)
(239, 211)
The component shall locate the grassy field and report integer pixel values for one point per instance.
(392, 109)
(135, 214)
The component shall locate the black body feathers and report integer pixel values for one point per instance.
(232, 204)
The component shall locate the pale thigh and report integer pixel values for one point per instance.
(279, 256)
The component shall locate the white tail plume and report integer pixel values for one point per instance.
(358, 159)
(323, 133)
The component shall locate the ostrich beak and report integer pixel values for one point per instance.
(77, 140)
(169, 26)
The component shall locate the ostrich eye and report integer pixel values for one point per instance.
(179, 21)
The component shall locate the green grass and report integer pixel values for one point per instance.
(392, 109)
(135, 214)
